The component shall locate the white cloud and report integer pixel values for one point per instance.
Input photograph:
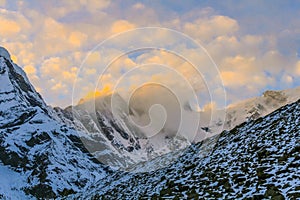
(206, 29)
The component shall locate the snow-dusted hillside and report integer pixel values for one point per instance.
(47, 156)
(257, 160)
(260, 106)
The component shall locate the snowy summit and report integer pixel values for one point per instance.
(4, 53)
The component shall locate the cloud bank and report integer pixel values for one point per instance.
(50, 41)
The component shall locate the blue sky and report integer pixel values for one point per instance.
(255, 44)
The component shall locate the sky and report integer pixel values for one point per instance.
(255, 44)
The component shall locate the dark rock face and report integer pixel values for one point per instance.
(256, 160)
(20, 82)
(275, 95)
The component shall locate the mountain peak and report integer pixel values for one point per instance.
(33, 139)
(4, 53)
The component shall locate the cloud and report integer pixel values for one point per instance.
(206, 29)
(8, 27)
(11, 25)
(58, 74)
(91, 95)
(58, 68)
(64, 8)
(297, 69)
(22, 52)
(243, 76)
(29, 69)
(138, 6)
(93, 59)
(76, 39)
(59, 87)
(61, 37)
(121, 26)
(51, 41)
(95, 5)
(209, 107)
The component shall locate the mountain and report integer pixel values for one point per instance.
(45, 157)
(117, 141)
(254, 108)
(51, 153)
(259, 159)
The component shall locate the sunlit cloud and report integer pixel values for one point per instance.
(50, 41)
(13, 25)
(29, 69)
(121, 26)
(207, 29)
(92, 95)
(9, 27)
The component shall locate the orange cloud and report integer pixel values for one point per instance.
(49, 47)
(14, 26)
(121, 26)
(209, 107)
(8, 27)
(77, 38)
(29, 69)
(107, 89)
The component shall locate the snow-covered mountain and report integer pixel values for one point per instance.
(45, 157)
(117, 141)
(121, 144)
(51, 153)
(257, 107)
(258, 159)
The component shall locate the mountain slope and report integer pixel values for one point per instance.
(120, 143)
(48, 156)
(250, 109)
(258, 159)
(117, 141)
